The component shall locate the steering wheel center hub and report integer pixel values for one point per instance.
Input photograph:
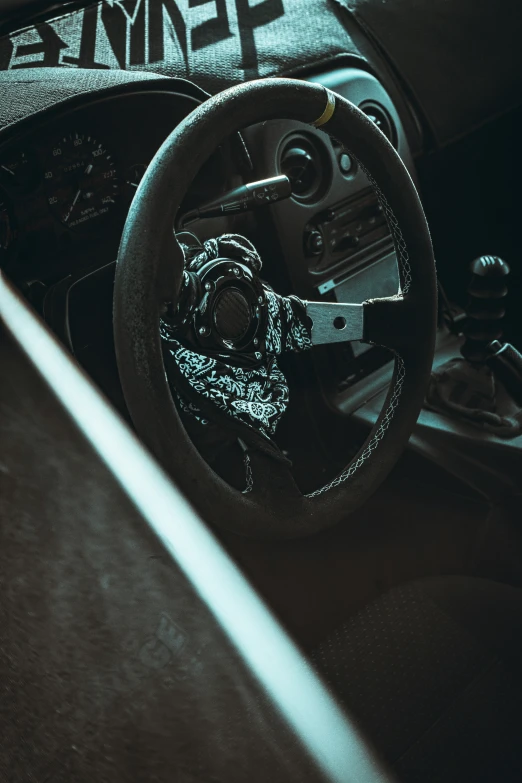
(231, 311)
(232, 315)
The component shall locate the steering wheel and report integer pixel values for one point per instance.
(149, 274)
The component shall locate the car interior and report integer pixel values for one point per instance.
(260, 391)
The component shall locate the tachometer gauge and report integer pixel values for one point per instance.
(17, 170)
(81, 179)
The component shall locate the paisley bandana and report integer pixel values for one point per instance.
(256, 397)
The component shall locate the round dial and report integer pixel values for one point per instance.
(17, 169)
(82, 181)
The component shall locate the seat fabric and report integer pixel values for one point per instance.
(433, 672)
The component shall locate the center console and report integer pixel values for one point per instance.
(333, 234)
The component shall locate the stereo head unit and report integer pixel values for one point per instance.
(344, 231)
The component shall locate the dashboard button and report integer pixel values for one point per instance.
(345, 163)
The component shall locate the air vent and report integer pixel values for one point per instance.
(381, 118)
(304, 165)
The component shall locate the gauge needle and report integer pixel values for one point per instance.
(68, 215)
(9, 171)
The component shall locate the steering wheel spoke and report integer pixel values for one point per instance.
(391, 323)
(267, 479)
(335, 323)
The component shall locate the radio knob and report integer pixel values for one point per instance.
(314, 243)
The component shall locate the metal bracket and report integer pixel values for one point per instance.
(333, 322)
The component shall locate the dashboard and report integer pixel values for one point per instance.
(68, 179)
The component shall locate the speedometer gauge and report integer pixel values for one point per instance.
(81, 179)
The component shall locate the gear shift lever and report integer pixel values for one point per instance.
(485, 311)
(466, 388)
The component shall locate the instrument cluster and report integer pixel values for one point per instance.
(66, 183)
(58, 193)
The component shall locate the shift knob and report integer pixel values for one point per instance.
(486, 307)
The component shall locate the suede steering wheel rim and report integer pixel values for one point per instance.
(149, 273)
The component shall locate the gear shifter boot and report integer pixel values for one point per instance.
(467, 388)
(468, 391)
(506, 363)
